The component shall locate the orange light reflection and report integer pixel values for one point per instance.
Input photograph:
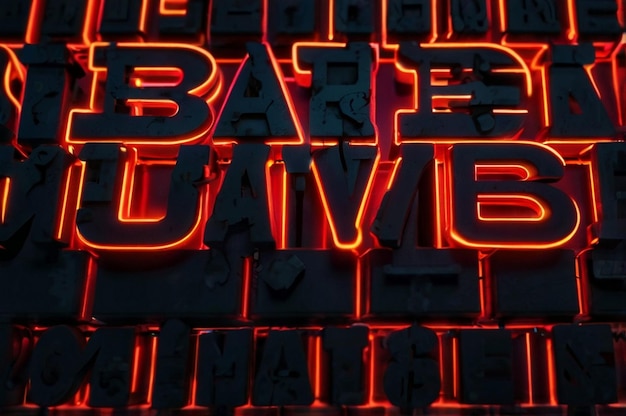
(394, 172)
(136, 358)
(358, 289)
(153, 356)
(551, 372)
(283, 225)
(318, 365)
(88, 291)
(331, 20)
(128, 187)
(484, 171)
(513, 200)
(194, 375)
(173, 7)
(5, 185)
(529, 373)
(34, 21)
(455, 367)
(14, 70)
(247, 281)
(303, 76)
(572, 31)
(64, 208)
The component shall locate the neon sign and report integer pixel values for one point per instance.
(337, 206)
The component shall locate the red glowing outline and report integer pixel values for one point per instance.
(514, 200)
(410, 76)
(61, 228)
(351, 245)
(123, 211)
(286, 94)
(529, 371)
(14, 70)
(303, 78)
(331, 20)
(441, 215)
(572, 31)
(493, 244)
(5, 186)
(523, 172)
(213, 82)
(173, 7)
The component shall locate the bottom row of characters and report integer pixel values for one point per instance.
(409, 367)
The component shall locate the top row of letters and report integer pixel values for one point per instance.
(224, 24)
